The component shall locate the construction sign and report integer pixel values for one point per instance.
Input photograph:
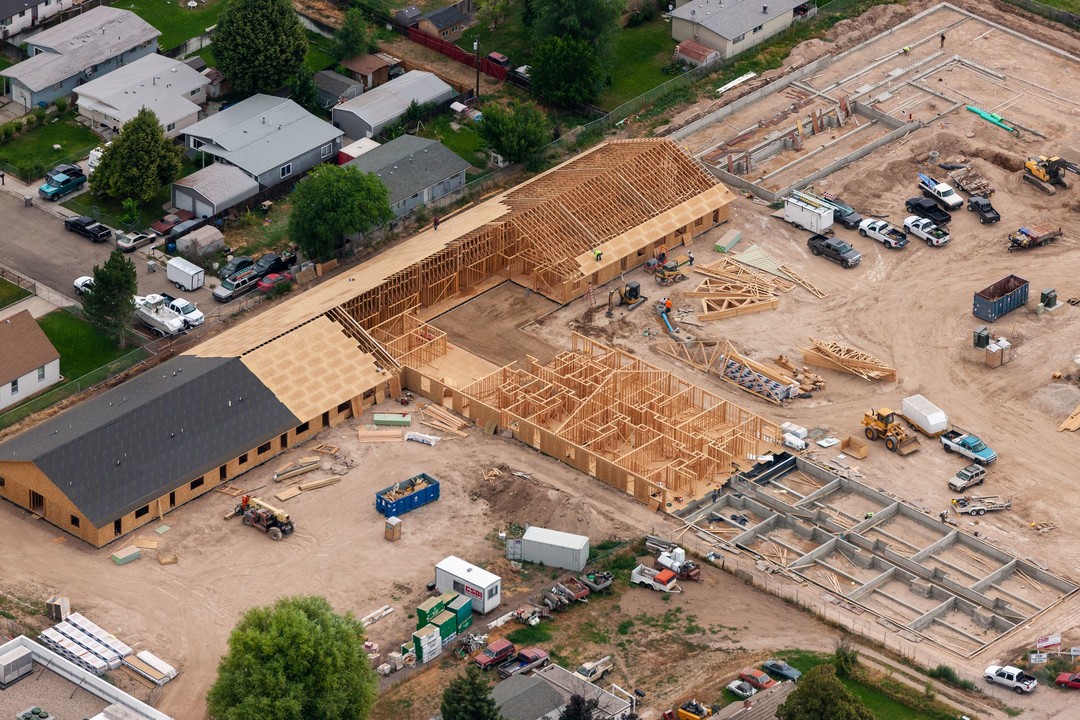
(1048, 641)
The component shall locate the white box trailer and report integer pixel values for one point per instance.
(927, 417)
(554, 549)
(806, 213)
(484, 589)
(185, 275)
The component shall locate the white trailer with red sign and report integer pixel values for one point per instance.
(484, 589)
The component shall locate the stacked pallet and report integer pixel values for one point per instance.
(85, 644)
(440, 418)
(724, 298)
(846, 359)
(808, 380)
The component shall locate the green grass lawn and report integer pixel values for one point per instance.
(176, 21)
(109, 211)
(640, 52)
(319, 53)
(10, 293)
(511, 38)
(36, 146)
(82, 347)
(466, 142)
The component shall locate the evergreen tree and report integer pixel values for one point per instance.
(821, 696)
(468, 697)
(111, 303)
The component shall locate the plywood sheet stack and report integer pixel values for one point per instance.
(442, 419)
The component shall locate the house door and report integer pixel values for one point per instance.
(37, 504)
(172, 499)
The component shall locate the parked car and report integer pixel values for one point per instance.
(132, 241)
(927, 208)
(234, 266)
(757, 678)
(494, 654)
(1068, 680)
(88, 227)
(62, 180)
(270, 281)
(986, 211)
(167, 223)
(274, 263)
(185, 309)
(782, 669)
(836, 250)
(595, 670)
(236, 285)
(84, 285)
(741, 689)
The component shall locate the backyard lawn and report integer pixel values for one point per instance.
(82, 348)
(466, 142)
(10, 293)
(176, 21)
(640, 52)
(319, 55)
(36, 146)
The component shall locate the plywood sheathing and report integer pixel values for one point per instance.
(846, 359)
(755, 257)
(315, 367)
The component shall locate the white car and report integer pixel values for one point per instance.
(130, 241)
(741, 688)
(84, 285)
(186, 309)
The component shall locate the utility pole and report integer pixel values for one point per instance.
(476, 49)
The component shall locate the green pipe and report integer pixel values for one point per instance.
(991, 118)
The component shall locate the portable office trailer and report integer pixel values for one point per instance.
(555, 549)
(484, 588)
(804, 212)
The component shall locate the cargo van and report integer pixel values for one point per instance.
(236, 285)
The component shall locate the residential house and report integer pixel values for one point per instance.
(334, 87)
(19, 15)
(417, 171)
(447, 23)
(408, 16)
(88, 45)
(272, 139)
(28, 363)
(171, 89)
(526, 697)
(694, 53)
(369, 114)
(567, 684)
(371, 70)
(212, 190)
(730, 28)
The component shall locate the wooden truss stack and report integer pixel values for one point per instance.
(1072, 422)
(760, 380)
(728, 298)
(840, 357)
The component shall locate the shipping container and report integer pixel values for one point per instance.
(1001, 298)
(407, 495)
(484, 588)
(551, 548)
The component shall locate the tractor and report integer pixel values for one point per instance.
(882, 423)
(259, 514)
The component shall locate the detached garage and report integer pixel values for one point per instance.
(212, 190)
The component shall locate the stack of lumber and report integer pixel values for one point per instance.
(378, 436)
(808, 380)
(728, 298)
(297, 467)
(972, 181)
(320, 483)
(846, 359)
(1072, 423)
(440, 418)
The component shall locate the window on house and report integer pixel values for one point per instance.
(243, 459)
(118, 527)
(144, 510)
(5, 22)
(196, 484)
(22, 14)
(196, 91)
(2, 481)
(264, 448)
(48, 3)
(739, 39)
(196, 143)
(170, 126)
(74, 518)
(326, 150)
(41, 373)
(343, 407)
(445, 33)
(758, 29)
(15, 386)
(286, 170)
(302, 428)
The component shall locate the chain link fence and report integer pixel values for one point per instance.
(1064, 17)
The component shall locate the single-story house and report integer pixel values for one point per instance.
(173, 90)
(19, 15)
(88, 45)
(567, 684)
(272, 139)
(695, 53)
(334, 87)
(29, 363)
(416, 170)
(525, 697)
(408, 16)
(213, 189)
(734, 27)
(447, 23)
(369, 114)
(371, 70)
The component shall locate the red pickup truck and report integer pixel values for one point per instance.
(494, 654)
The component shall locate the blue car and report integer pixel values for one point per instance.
(781, 669)
(61, 180)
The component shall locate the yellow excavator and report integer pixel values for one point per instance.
(628, 295)
(882, 423)
(1047, 172)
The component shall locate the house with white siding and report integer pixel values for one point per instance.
(29, 363)
(733, 26)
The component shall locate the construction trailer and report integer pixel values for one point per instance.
(551, 548)
(456, 575)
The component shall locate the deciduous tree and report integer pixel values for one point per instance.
(578, 709)
(296, 659)
(137, 163)
(593, 21)
(565, 72)
(335, 201)
(491, 12)
(303, 90)
(515, 132)
(821, 696)
(468, 697)
(353, 37)
(259, 44)
(111, 303)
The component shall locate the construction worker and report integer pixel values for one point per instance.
(943, 40)
(690, 254)
(943, 514)
(599, 254)
(667, 306)
(435, 222)
(715, 494)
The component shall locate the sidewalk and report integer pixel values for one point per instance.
(14, 186)
(37, 306)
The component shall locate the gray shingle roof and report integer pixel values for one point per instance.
(446, 17)
(117, 452)
(83, 41)
(334, 83)
(525, 697)
(219, 183)
(409, 164)
(732, 18)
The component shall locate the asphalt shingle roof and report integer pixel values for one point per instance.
(730, 19)
(409, 164)
(220, 182)
(118, 451)
(525, 697)
(446, 17)
(334, 83)
(23, 346)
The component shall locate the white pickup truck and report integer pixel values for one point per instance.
(943, 194)
(922, 228)
(889, 235)
(1011, 677)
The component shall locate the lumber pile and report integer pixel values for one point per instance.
(320, 483)
(379, 436)
(728, 298)
(1072, 423)
(731, 270)
(808, 380)
(288, 494)
(972, 181)
(297, 467)
(440, 418)
(846, 359)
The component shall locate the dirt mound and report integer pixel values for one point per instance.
(853, 31)
(874, 185)
(513, 499)
(807, 52)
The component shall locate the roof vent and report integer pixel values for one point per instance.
(764, 8)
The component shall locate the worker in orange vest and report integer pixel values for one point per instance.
(667, 305)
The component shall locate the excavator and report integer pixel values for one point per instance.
(882, 423)
(264, 516)
(628, 295)
(1044, 173)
